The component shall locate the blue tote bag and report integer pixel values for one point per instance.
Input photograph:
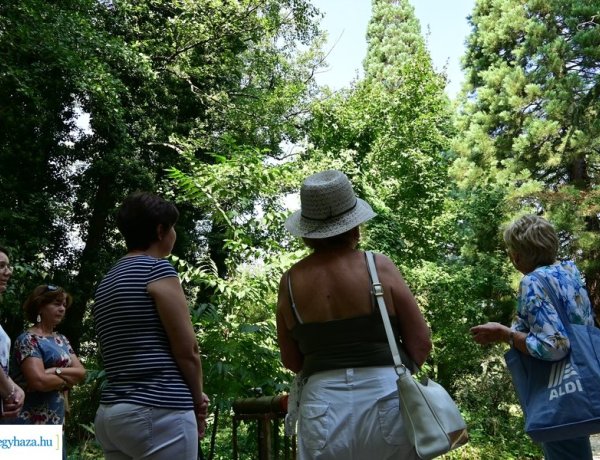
(560, 399)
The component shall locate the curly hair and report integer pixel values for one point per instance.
(43, 295)
(533, 238)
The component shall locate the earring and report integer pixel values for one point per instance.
(38, 318)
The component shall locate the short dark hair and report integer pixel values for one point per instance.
(349, 238)
(5, 251)
(139, 217)
(43, 295)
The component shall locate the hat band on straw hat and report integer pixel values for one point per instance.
(332, 216)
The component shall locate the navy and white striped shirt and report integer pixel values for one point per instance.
(140, 367)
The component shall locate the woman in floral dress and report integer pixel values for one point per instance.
(45, 364)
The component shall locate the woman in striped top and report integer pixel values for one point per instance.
(153, 405)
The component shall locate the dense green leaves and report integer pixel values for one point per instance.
(165, 85)
(213, 103)
(528, 121)
(527, 138)
(394, 39)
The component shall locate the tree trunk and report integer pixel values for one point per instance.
(89, 269)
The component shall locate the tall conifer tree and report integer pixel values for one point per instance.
(391, 131)
(395, 126)
(393, 37)
(530, 124)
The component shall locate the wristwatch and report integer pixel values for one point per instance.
(58, 371)
(511, 339)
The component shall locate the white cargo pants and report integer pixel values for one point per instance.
(352, 414)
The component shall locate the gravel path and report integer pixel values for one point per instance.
(595, 440)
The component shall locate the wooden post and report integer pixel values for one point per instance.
(267, 411)
(234, 437)
(264, 438)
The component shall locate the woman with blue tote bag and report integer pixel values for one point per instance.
(550, 340)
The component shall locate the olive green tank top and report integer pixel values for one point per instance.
(350, 342)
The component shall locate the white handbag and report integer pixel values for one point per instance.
(434, 424)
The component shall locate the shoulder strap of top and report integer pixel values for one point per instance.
(374, 307)
(291, 296)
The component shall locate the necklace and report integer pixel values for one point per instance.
(39, 331)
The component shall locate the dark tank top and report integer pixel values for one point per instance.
(350, 342)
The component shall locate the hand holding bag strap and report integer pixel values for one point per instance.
(378, 293)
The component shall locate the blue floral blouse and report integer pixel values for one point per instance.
(47, 407)
(547, 338)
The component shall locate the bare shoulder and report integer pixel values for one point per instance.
(283, 283)
(390, 276)
(385, 265)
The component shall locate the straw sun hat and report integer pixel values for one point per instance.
(329, 207)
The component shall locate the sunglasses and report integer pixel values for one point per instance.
(51, 288)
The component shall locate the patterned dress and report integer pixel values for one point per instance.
(547, 338)
(41, 407)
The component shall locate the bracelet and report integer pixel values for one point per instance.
(13, 390)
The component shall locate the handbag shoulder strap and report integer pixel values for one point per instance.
(377, 290)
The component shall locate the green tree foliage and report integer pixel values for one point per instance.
(393, 37)
(236, 310)
(156, 79)
(529, 120)
(42, 71)
(527, 141)
(396, 125)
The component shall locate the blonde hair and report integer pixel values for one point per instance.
(533, 238)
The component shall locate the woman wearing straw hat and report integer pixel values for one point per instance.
(329, 328)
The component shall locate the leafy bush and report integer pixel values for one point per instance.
(488, 400)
